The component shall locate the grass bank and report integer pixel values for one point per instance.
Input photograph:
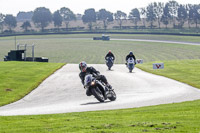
(19, 78)
(186, 71)
(179, 117)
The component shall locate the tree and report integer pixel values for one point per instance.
(24, 16)
(173, 9)
(189, 9)
(134, 16)
(42, 17)
(67, 16)
(26, 25)
(2, 17)
(151, 14)
(10, 21)
(143, 13)
(89, 17)
(105, 16)
(57, 18)
(194, 14)
(120, 17)
(166, 15)
(158, 8)
(182, 15)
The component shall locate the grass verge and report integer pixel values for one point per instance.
(179, 117)
(186, 71)
(17, 79)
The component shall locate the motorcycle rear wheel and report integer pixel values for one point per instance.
(113, 97)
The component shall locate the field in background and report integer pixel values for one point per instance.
(75, 48)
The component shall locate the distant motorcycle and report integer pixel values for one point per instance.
(109, 62)
(98, 89)
(130, 64)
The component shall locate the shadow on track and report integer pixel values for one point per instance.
(95, 103)
(110, 70)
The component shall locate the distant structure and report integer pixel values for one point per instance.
(103, 37)
(21, 54)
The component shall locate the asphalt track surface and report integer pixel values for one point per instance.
(159, 41)
(63, 92)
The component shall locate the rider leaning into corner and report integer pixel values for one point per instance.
(110, 54)
(130, 55)
(90, 70)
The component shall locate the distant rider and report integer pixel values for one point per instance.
(129, 56)
(110, 54)
(90, 70)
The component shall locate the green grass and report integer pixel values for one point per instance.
(186, 71)
(73, 48)
(19, 78)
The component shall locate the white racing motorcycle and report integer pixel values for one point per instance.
(130, 64)
(98, 89)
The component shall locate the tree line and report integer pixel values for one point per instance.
(165, 13)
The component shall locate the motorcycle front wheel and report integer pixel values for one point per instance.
(98, 94)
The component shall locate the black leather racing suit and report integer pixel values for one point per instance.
(91, 70)
(110, 55)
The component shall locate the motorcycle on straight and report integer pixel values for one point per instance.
(130, 64)
(109, 62)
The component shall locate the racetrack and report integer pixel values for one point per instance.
(63, 92)
(159, 41)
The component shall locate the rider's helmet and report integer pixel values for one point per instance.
(130, 53)
(83, 66)
(109, 51)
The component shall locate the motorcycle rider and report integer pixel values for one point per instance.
(90, 70)
(110, 54)
(130, 55)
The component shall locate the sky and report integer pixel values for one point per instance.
(78, 6)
